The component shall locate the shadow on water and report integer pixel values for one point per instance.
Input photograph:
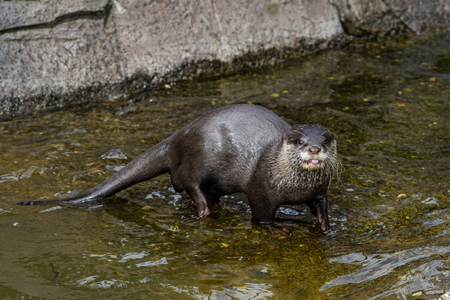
(386, 101)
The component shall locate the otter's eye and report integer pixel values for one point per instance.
(325, 142)
(300, 142)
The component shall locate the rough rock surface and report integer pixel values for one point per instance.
(360, 17)
(173, 33)
(59, 52)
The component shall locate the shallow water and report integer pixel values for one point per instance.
(388, 103)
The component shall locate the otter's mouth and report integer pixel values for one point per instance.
(312, 164)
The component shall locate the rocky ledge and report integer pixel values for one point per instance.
(58, 52)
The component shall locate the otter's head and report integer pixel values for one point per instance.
(311, 146)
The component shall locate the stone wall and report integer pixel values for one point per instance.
(58, 52)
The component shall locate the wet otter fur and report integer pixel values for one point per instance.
(236, 148)
(297, 169)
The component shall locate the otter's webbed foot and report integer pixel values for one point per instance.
(275, 229)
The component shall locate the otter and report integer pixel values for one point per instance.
(237, 148)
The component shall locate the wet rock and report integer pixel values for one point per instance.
(76, 130)
(155, 195)
(430, 200)
(127, 109)
(9, 177)
(115, 154)
(114, 168)
(288, 211)
(29, 172)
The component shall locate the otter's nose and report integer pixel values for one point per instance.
(314, 150)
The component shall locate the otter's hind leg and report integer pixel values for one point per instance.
(200, 200)
(263, 213)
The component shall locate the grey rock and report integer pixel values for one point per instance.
(20, 14)
(115, 154)
(58, 52)
(381, 17)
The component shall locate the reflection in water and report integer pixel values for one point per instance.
(378, 265)
(246, 292)
(51, 209)
(249, 291)
(422, 278)
(162, 261)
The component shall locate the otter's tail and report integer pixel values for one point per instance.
(149, 164)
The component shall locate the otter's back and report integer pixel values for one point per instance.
(224, 145)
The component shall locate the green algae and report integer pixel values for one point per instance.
(387, 103)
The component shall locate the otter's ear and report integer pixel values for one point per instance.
(285, 136)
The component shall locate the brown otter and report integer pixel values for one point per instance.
(236, 148)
